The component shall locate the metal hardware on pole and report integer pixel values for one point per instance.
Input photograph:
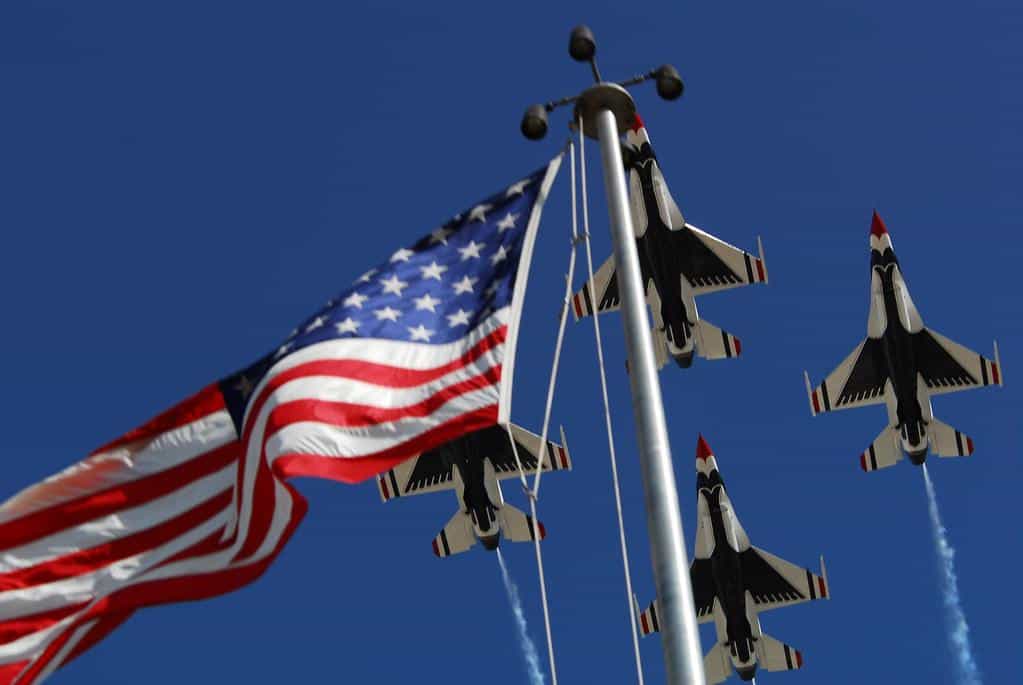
(606, 111)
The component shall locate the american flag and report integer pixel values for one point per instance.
(195, 503)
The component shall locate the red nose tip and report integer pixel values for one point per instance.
(703, 450)
(877, 227)
(637, 123)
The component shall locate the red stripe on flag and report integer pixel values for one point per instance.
(125, 495)
(100, 630)
(344, 414)
(181, 589)
(338, 414)
(377, 374)
(203, 403)
(17, 628)
(358, 470)
(89, 560)
(8, 672)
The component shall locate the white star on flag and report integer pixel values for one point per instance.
(393, 285)
(364, 278)
(517, 188)
(459, 318)
(355, 300)
(433, 271)
(471, 251)
(349, 325)
(387, 313)
(427, 302)
(507, 223)
(479, 212)
(402, 255)
(499, 256)
(420, 332)
(315, 323)
(465, 285)
(441, 235)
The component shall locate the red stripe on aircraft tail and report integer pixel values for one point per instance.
(823, 587)
(760, 270)
(863, 462)
(799, 659)
(994, 373)
(816, 403)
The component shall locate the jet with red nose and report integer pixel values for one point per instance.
(733, 582)
(901, 364)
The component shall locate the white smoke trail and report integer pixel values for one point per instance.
(959, 631)
(528, 648)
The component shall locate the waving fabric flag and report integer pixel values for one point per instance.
(195, 503)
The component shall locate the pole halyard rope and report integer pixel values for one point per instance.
(531, 494)
(629, 596)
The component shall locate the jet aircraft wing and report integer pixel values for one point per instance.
(858, 381)
(774, 582)
(428, 472)
(710, 264)
(946, 366)
(701, 576)
(555, 457)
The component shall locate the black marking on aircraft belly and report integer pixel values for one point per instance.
(937, 367)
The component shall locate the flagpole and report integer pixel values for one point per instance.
(605, 111)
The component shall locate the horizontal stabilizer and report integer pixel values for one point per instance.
(884, 452)
(946, 441)
(457, 536)
(714, 343)
(715, 664)
(517, 526)
(649, 621)
(777, 656)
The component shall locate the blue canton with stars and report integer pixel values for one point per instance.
(435, 291)
(441, 287)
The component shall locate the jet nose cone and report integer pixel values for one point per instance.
(490, 542)
(877, 227)
(705, 461)
(703, 450)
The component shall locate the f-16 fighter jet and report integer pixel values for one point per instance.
(902, 363)
(472, 465)
(677, 261)
(734, 581)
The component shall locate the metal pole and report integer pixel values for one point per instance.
(679, 632)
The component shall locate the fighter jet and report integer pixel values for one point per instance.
(677, 261)
(472, 465)
(901, 364)
(733, 582)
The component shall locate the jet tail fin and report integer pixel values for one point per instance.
(457, 536)
(517, 525)
(716, 666)
(946, 441)
(777, 656)
(714, 343)
(884, 452)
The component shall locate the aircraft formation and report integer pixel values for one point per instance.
(901, 364)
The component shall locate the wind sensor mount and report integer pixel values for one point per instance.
(603, 95)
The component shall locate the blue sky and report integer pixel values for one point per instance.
(180, 185)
